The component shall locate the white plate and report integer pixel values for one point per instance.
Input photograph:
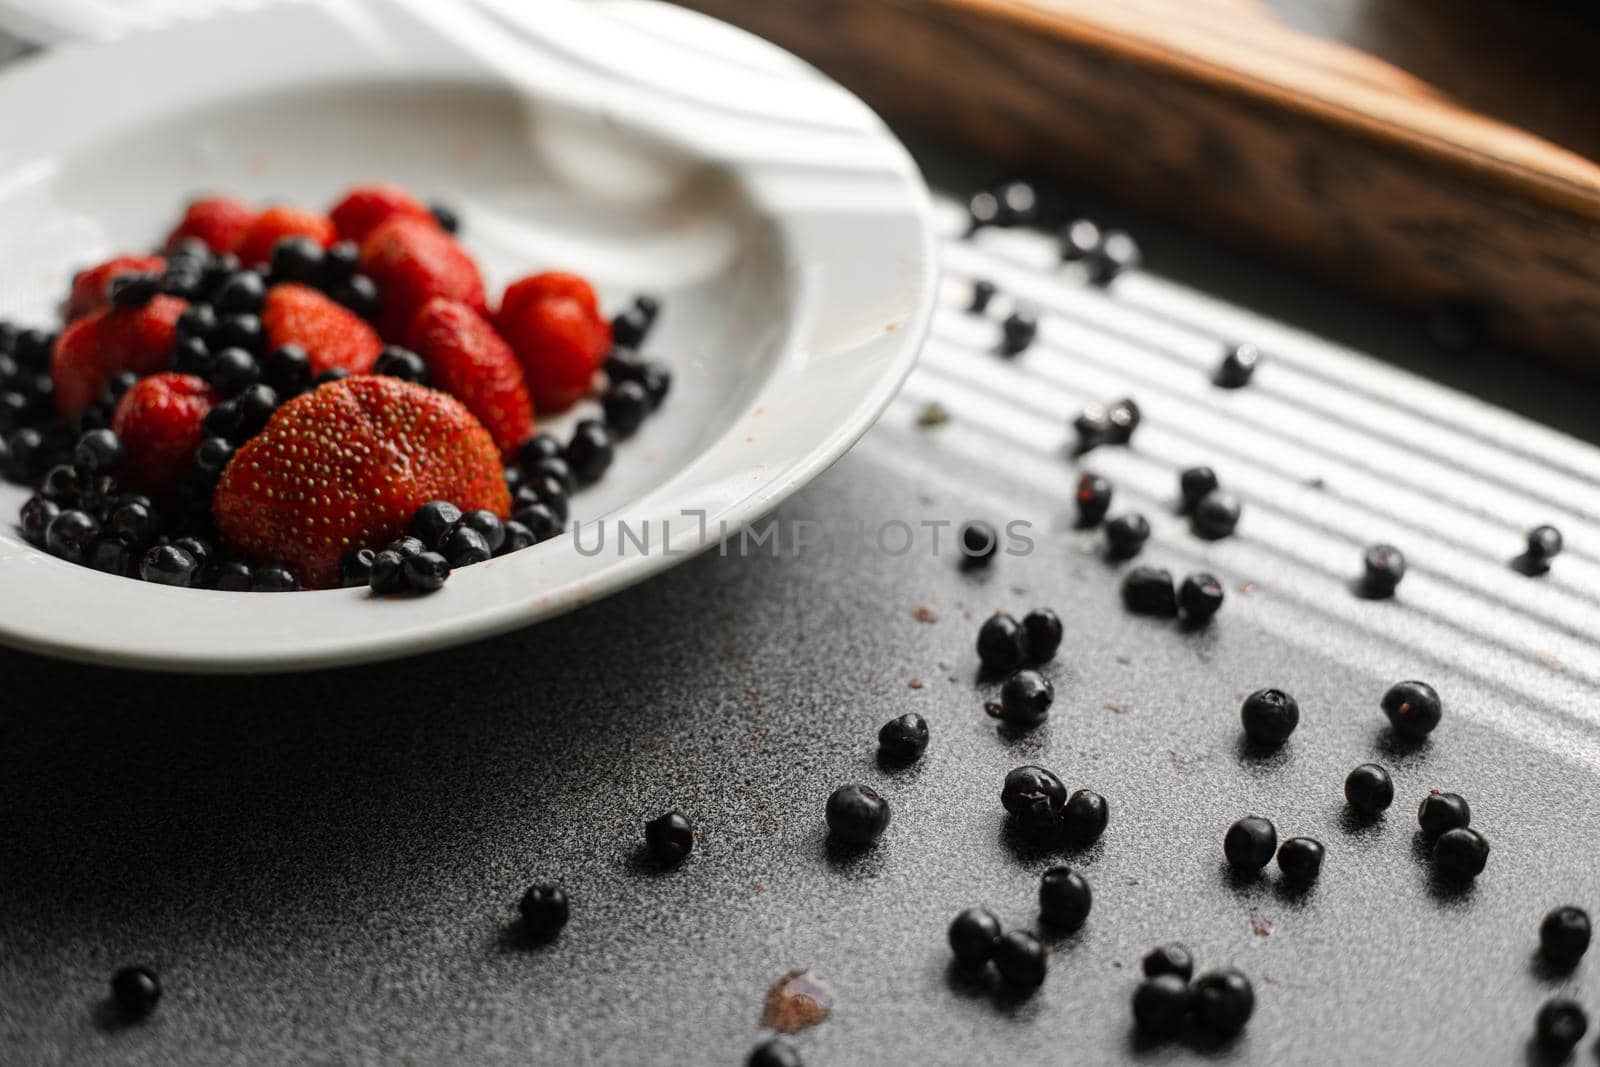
(783, 227)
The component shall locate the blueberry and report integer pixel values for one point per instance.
(69, 534)
(1460, 854)
(1064, 898)
(903, 738)
(197, 323)
(136, 990)
(656, 378)
(1300, 859)
(1200, 597)
(192, 356)
(181, 279)
(203, 552)
(549, 491)
(1237, 366)
(340, 260)
(1025, 698)
(983, 291)
(256, 405)
(1441, 812)
(224, 420)
(61, 484)
(1126, 535)
(1041, 630)
(1194, 484)
(1018, 331)
(630, 327)
(973, 935)
(1029, 787)
(1020, 958)
(464, 546)
(589, 452)
(240, 294)
(1093, 497)
(239, 331)
(488, 525)
(1084, 817)
(1414, 708)
(1269, 716)
(1250, 843)
(37, 513)
(1564, 935)
(1148, 591)
(983, 209)
(388, 573)
(133, 522)
(537, 449)
(118, 384)
(445, 216)
(539, 521)
(233, 370)
(356, 569)
(1122, 418)
(1559, 1026)
(5, 456)
(1223, 1001)
(332, 374)
(857, 815)
(358, 293)
(1544, 543)
(168, 565)
(649, 305)
(1384, 566)
(625, 405)
(1161, 1004)
(295, 259)
(402, 363)
(14, 408)
(287, 370)
(273, 578)
(623, 365)
(134, 290)
(233, 576)
(1117, 253)
(427, 571)
(407, 546)
(1171, 958)
(1369, 789)
(220, 267)
(1215, 515)
(518, 537)
(98, 452)
(774, 1052)
(27, 448)
(544, 911)
(669, 837)
(1001, 643)
(109, 555)
(1079, 240)
(1019, 203)
(433, 520)
(32, 349)
(213, 454)
(979, 542)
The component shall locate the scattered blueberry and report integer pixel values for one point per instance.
(973, 935)
(1122, 419)
(517, 537)
(1064, 898)
(1300, 859)
(1093, 497)
(1021, 959)
(168, 565)
(1161, 1004)
(1250, 844)
(1269, 716)
(1544, 543)
(233, 576)
(540, 521)
(136, 990)
(273, 578)
(1193, 485)
(1025, 698)
(388, 573)
(1079, 240)
(903, 738)
(630, 327)
(983, 291)
(1560, 1025)
(1126, 535)
(1041, 630)
(1018, 331)
(1564, 935)
(1223, 1001)
(464, 546)
(1033, 796)
(1001, 643)
(1369, 789)
(1237, 367)
(857, 815)
(1084, 817)
(590, 451)
(426, 571)
(979, 542)
(1460, 854)
(625, 405)
(1441, 812)
(1414, 708)
(774, 1052)
(1148, 591)
(1384, 566)
(69, 534)
(1092, 428)
(1215, 515)
(1117, 253)
(669, 837)
(488, 525)
(544, 911)
(1171, 958)
(1200, 597)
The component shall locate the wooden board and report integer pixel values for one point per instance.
(1214, 112)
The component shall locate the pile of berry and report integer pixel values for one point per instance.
(284, 399)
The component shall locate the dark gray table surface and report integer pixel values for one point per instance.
(324, 867)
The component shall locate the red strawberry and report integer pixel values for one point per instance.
(217, 220)
(158, 421)
(412, 261)
(331, 334)
(553, 323)
(274, 224)
(108, 342)
(366, 206)
(91, 288)
(345, 466)
(468, 360)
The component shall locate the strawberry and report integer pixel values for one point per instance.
(91, 288)
(104, 343)
(274, 224)
(331, 334)
(468, 360)
(158, 421)
(366, 206)
(345, 466)
(412, 261)
(553, 323)
(219, 221)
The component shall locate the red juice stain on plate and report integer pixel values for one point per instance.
(795, 1003)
